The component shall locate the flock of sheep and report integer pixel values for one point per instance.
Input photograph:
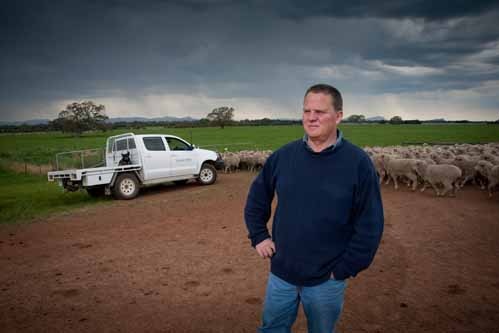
(245, 159)
(446, 168)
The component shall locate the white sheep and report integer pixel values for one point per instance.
(377, 160)
(467, 166)
(441, 160)
(231, 161)
(492, 173)
(481, 171)
(400, 167)
(435, 174)
(257, 160)
(491, 158)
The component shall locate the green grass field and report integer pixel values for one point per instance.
(40, 148)
(24, 197)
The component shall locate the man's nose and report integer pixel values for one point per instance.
(313, 116)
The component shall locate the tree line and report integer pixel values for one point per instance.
(78, 118)
(360, 118)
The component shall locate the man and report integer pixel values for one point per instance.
(328, 222)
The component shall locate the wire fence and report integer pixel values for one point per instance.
(80, 159)
(27, 168)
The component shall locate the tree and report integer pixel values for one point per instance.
(221, 116)
(204, 122)
(396, 120)
(80, 117)
(356, 118)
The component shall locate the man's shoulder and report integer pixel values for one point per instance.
(291, 145)
(288, 148)
(285, 152)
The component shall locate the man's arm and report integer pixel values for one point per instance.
(368, 222)
(258, 205)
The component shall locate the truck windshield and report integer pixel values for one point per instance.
(176, 144)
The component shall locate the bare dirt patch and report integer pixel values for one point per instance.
(177, 259)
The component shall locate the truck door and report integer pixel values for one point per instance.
(156, 157)
(183, 158)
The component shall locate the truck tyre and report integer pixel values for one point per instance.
(207, 174)
(126, 186)
(96, 191)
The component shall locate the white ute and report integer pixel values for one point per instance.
(133, 161)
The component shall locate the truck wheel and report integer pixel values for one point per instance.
(126, 186)
(96, 191)
(207, 174)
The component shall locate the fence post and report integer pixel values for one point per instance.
(25, 168)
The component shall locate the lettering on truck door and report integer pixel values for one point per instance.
(184, 161)
(157, 159)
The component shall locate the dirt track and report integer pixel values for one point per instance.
(177, 260)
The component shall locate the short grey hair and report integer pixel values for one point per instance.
(328, 90)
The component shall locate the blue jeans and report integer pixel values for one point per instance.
(322, 305)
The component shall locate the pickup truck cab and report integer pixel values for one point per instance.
(133, 161)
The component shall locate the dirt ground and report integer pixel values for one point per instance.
(177, 259)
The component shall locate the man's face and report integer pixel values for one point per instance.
(320, 119)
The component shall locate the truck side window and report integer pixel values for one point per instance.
(176, 144)
(131, 143)
(121, 145)
(154, 143)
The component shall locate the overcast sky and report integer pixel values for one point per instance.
(416, 59)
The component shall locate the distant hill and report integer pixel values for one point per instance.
(30, 122)
(437, 120)
(376, 118)
(144, 119)
(33, 122)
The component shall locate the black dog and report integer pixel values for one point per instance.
(125, 159)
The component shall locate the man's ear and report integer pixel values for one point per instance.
(339, 117)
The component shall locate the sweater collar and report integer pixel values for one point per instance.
(339, 139)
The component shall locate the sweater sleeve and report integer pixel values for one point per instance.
(368, 222)
(259, 203)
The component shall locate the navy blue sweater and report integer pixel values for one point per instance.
(329, 215)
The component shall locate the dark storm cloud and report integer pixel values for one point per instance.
(77, 49)
(428, 9)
